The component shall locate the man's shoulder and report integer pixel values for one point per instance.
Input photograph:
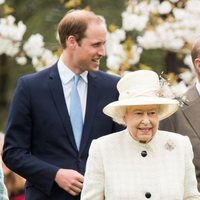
(106, 75)
(38, 75)
(189, 96)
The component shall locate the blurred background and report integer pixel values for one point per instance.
(143, 34)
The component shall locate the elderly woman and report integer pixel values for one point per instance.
(140, 162)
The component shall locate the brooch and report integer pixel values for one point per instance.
(170, 145)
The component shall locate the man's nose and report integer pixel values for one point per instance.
(102, 51)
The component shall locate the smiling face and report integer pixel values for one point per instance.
(142, 122)
(88, 52)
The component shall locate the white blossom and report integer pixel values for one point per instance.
(21, 60)
(150, 40)
(133, 22)
(174, 1)
(136, 52)
(46, 59)
(2, 1)
(11, 35)
(8, 47)
(164, 8)
(113, 44)
(175, 32)
(34, 46)
(179, 88)
(180, 14)
(114, 62)
(193, 6)
(116, 56)
(186, 76)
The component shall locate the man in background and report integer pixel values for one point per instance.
(186, 120)
(41, 143)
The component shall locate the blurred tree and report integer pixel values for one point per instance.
(42, 17)
(143, 34)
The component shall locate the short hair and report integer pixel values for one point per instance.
(119, 115)
(75, 23)
(195, 53)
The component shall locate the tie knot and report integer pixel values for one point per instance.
(76, 79)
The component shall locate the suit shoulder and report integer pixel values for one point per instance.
(37, 75)
(108, 76)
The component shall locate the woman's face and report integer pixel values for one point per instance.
(142, 122)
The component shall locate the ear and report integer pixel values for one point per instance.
(71, 42)
(197, 64)
(124, 119)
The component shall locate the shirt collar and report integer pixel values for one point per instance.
(67, 74)
(198, 86)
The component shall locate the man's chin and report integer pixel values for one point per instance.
(94, 69)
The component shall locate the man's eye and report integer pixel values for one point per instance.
(96, 45)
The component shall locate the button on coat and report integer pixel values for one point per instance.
(144, 153)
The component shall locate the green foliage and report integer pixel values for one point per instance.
(154, 58)
(42, 16)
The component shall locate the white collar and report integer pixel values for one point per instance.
(66, 74)
(198, 86)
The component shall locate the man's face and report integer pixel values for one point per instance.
(142, 122)
(91, 49)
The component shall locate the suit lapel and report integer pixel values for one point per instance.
(91, 105)
(59, 100)
(190, 109)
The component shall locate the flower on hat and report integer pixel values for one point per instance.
(165, 88)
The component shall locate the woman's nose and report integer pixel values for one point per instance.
(145, 119)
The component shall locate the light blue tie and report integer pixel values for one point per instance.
(76, 112)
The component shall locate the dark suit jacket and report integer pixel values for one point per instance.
(186, 121)
(39, 138)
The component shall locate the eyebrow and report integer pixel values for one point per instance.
(145, 109)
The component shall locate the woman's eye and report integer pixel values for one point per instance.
(138, 113)
(152, 113)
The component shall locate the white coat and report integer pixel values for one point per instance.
(120, 168)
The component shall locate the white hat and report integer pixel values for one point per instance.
(140, 87)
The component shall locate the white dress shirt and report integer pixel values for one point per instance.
(198, 87)
(66, 76)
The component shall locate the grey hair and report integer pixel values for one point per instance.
(119, 115)
(121, 111)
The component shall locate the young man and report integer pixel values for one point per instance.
(40, 143)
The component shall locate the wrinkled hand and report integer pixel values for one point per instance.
(70, 180)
